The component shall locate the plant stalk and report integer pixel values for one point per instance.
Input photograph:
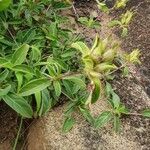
(18, 134)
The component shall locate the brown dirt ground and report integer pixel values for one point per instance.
(8, 126)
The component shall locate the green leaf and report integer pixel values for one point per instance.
(105, 67)
(103, 7)
(3, 62)
(34, 86)
(124, 32)
(23, 68)
(114, 23)
(19, 77)
(146, 113)
(4, 4)
(68, 124)
(46, 102)
(122, 109)
(87, 115)
(35, 53)
(76, 80)
(102, 119)
(109, 89)
(70, 109)
(126, 71)
(117, 124)
(38, 99)
(20, 54)
(81, 47)
(57, 87)
(5, 90)
(19, 104)
(3, 75)
(97, 89)
(115, 100)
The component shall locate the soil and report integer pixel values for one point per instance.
(8, 127)
(44, 133)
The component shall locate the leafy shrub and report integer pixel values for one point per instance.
(40, 62)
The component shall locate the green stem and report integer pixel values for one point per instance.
(18, 134)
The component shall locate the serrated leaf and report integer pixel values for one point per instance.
(23, 68)
(68, 124)
(76, 80)
(102, 119)
(57, 87)
(20, 54)
(104, 67)
(95, 44)
(19, 104)
(81, 47)
(34, 86)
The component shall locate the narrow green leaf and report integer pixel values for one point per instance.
(5, 91)
(19, 104)
(103, 118)
(20, 54)
(57, 87)
(97, 89)
(87, 115)
(19, 77)
(34, 86)
(3, 75)
(68, 124)
(117, 124)
(70, 109)
(46, 102)
(38, 99)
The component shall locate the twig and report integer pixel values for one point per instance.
(74, 9)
